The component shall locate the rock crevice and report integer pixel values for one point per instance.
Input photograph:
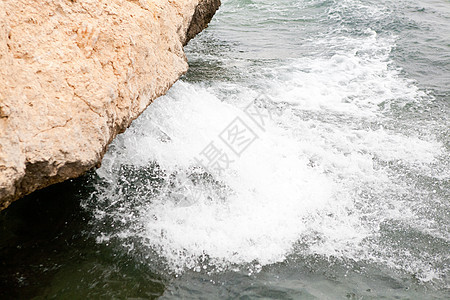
(74, 74)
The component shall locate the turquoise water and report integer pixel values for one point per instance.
(339, 187)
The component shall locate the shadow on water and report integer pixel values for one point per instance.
(47, 251)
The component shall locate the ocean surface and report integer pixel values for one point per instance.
(305, 155)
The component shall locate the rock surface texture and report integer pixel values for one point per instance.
(75, 73)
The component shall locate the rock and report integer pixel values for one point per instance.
(75, 73)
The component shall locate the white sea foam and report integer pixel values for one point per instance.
(289, 185)
(304, 180)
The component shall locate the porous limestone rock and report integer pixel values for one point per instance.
(75, 73)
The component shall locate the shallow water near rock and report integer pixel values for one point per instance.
(328, 124)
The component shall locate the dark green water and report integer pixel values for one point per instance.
(344, 193)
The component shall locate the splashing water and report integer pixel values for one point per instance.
(333, 172)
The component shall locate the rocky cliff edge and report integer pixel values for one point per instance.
(75, 73)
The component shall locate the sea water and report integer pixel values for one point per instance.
(305, 155)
